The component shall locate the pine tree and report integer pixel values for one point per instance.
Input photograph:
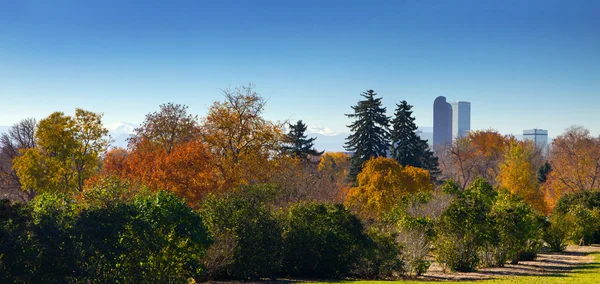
(407, 147)
(370, 135)
(297, 143)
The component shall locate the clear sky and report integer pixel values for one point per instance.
(522, 64)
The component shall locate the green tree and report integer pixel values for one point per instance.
(464, 227)
(543, 172)
(297, 144)
(322, 240)
(370, 135)
(407, 147)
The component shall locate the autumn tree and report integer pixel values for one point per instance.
(575, 160)
(381, 184)
(167, 153)
(518, 174)
(171, 125)
(19, 138)
(479, 155)
(297, 144)
(66, 155)
(242, 141)
(407, 147)
(370, 135)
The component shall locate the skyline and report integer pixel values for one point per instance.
(521, 65)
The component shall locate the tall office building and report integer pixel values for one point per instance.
(442, 122)
(538, 136)
(461, 119)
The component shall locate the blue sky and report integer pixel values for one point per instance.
(522, 64)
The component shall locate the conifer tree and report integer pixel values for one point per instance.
(370, 135)
(297, 143)
(407, 147)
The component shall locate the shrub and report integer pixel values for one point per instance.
(555, 233)
(516, 225)
(17, 250)
(463, 230)
(322, 240)
(243, 219)
(382, 257)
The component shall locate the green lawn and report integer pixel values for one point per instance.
(589, 273)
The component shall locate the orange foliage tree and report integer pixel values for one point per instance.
(381, 183)
(478, 155)
(166, 153)
(518, 173)
(575, 160)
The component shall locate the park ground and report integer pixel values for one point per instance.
(574, 265)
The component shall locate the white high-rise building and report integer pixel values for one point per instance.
(461, 119)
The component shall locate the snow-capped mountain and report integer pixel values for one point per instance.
(119, 132)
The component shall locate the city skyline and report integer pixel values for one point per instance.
(524, 64)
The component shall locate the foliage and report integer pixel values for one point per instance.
(66, 155)
(242, 141)
(555, 233)
(407, 147)
(296, 143)
(463, 228)
(244, 215)
(381, 183)
(516, 225)
(579, 213)
(17, 250)
(18, 139)
(574, 156)
(168, 127)
(187, 170)
(478, 155)
(370, 136)
(518, 174)
(321, 240)
(382, 257)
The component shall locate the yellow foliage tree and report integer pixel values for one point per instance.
(381, 183)
(335, 166)
(242, 141)
(518, 174)
(66, 155)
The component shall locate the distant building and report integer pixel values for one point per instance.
(461, 119)
(538, 136)
(442, 122)
(450, 121)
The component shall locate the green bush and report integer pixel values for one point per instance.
(555, 233)
(322, 240)
(517, 228)
(463, 229)
(17, 248)
(382, 256)
(244, 217)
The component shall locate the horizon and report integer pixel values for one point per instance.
(521, 65)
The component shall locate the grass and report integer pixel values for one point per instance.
(588, 273)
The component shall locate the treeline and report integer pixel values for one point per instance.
(235, 196)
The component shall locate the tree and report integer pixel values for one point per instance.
(167, 127)
(575, 160)
(19, 138)
(478, 155)
(370, 136)
(407, 147)
(381, 184)
(518, 174)
(242, 141)
(297, 144)
(66, 155)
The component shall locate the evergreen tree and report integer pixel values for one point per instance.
(543, 172)
(407, 147)
(297, 143)
(370, 136)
